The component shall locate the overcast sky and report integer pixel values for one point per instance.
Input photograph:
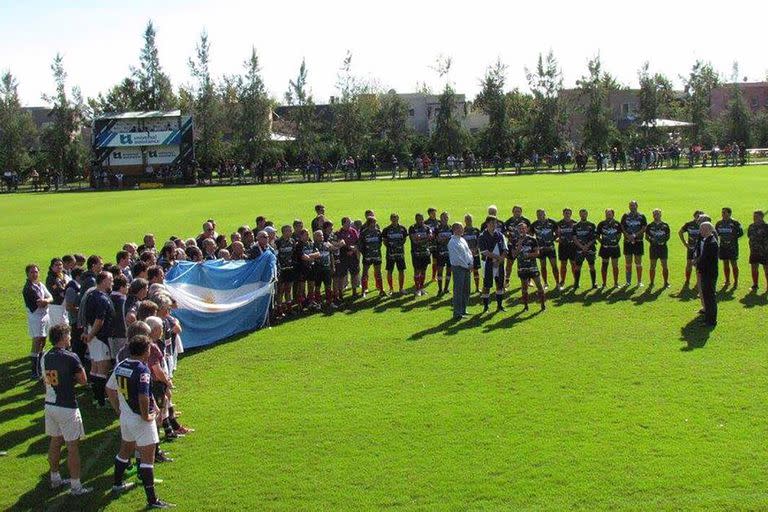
(393, 42)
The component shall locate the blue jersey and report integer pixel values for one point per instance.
(131, 379)
(59, 369)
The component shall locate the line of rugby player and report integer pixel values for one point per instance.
(324, 259)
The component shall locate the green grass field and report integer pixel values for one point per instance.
(591, 405)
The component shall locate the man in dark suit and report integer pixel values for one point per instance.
(706, 265)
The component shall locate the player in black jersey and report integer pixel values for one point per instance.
(512, 234)
(545, 231)
(691, 229)
(633, 224)
(337, 245)
(729, 231)
(323, 271)
(585, 237)
(442, 235)
(394, 237)
(471, 235)
(286, 266)
(527, 252)
(62, 370)
(131, 397)
(370, 247)
(757, 233)
(567, 249)
(432, 222)
(609, 234)
(420, 235)
(305, 256)
(493, 249)
(657, 233)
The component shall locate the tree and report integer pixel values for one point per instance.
(738, 116)
(153, 87)
(449, 138)
(548, 114)
(17, 131)
(206, 106)
(594, 89)
(252, 129)
(63, 145)
(497, 137)
(303, 116)
(392, 125)
(352, 115)
(698, 97)
(120, 98)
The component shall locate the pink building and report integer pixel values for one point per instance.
(755, 95)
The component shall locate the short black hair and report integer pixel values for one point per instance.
(57, 333)
(138, 268)
(92, 261)
(119, 282)
(154, 271)
(138, 345)
(120, 255)
(76, 272)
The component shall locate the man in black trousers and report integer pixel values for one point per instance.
(706, 266)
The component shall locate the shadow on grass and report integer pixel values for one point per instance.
(695, 334)
(649, 295)
(510, 321)
(753, 299)
(725, 294)
(13, 373)
(450, 327)
(686, 294)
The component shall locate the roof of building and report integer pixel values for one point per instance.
(150, 114)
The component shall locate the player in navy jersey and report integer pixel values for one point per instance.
(394, 237)
(471, 235)
(323, 271)
(99, 317)
(337, 244)
(527, 252)
(690, 230)
(633, 224)
(442, 235)
(609, 235)
(729, 231)
(657, 233)
(131, 397)
(420, 235)
(493, 249)
(286, 266)
(62, 370)
(370, 247)
(305, 256)
(757, 233)
(432, 221)
(585, 237)
(545, 231)
(566, 249)
(512, 234)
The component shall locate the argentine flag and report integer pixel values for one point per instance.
(218, 299)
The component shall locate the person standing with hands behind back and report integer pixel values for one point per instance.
(706, 266)
(461, 261)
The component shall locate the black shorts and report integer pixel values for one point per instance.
(323, 276)
(489, 280)
(339, 268)
(758, 258)
(634, 249)
(547, 252)
(566, 252)
(443, 260)
(287, 275)
(527, 272)
(658, 252)
(476, 261)
(589, 256)
(690, 254)
(158, 392)
(351, 264)
(398, 262)
(607, 252)
(728, 252)
(371, 261)
(420, 262)
(305, 274)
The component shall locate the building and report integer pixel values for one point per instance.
(755, 95)
(624, 105)
(423, 109)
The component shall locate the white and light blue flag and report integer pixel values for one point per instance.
(218, 299)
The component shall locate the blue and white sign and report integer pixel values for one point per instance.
(137, 139)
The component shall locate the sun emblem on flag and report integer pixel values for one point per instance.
(209, 298)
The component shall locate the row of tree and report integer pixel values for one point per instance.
(232, 113)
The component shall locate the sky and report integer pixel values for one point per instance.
(394, 43)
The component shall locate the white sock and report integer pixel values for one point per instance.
(75, 484)
(55, 476)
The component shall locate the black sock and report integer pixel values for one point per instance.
(593, 276)
(39, 363)
(147, 473)
(99, 389)
(167, 426)
(576, 278)
(486, 300)
(499, 298)
(120, 467)
(172, 418)
(33, 365)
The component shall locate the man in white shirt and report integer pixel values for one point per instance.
(461, 259)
